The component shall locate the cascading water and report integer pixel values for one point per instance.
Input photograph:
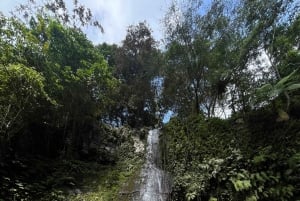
(155, 183)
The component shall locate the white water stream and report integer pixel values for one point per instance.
(155, 183)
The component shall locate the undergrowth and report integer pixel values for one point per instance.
(239, 159)
(39, 179)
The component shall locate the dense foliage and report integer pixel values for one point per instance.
(217, 56)
(59, 94)
(214, 159)
(238, 57)
(62, 99)
(136, 64)
(53, 79)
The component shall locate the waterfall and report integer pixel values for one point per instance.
(155, 183)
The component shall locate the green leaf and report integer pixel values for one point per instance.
(284, 80)
(265, 89)
(251, 198)
(293, 87)
(241, 185)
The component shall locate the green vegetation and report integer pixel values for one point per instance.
(108, 183)
(214, 64)
(59, 100)
(256, 159)
(71, 112)
(40, 178)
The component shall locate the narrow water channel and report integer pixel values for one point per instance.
(155, 184)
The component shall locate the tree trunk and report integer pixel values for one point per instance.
(196, 87)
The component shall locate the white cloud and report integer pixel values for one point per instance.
(115, 16)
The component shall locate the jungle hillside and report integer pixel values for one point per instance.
(222, 88)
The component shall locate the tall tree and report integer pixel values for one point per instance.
(197, 47)
(136, 63)
(215, 54)
(74, 74)
(262, 22)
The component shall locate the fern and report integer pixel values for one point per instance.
(241, 185)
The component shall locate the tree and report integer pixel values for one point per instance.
(78, 17)
(109, 53)
(81, 82)
(21, 94)
(216, 54)
(137, 61)
(75, 76)
(197, 47)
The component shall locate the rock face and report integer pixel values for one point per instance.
(138, 145)
(155, 183)
(103, 144)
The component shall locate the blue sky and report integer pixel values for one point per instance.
(115, 16)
